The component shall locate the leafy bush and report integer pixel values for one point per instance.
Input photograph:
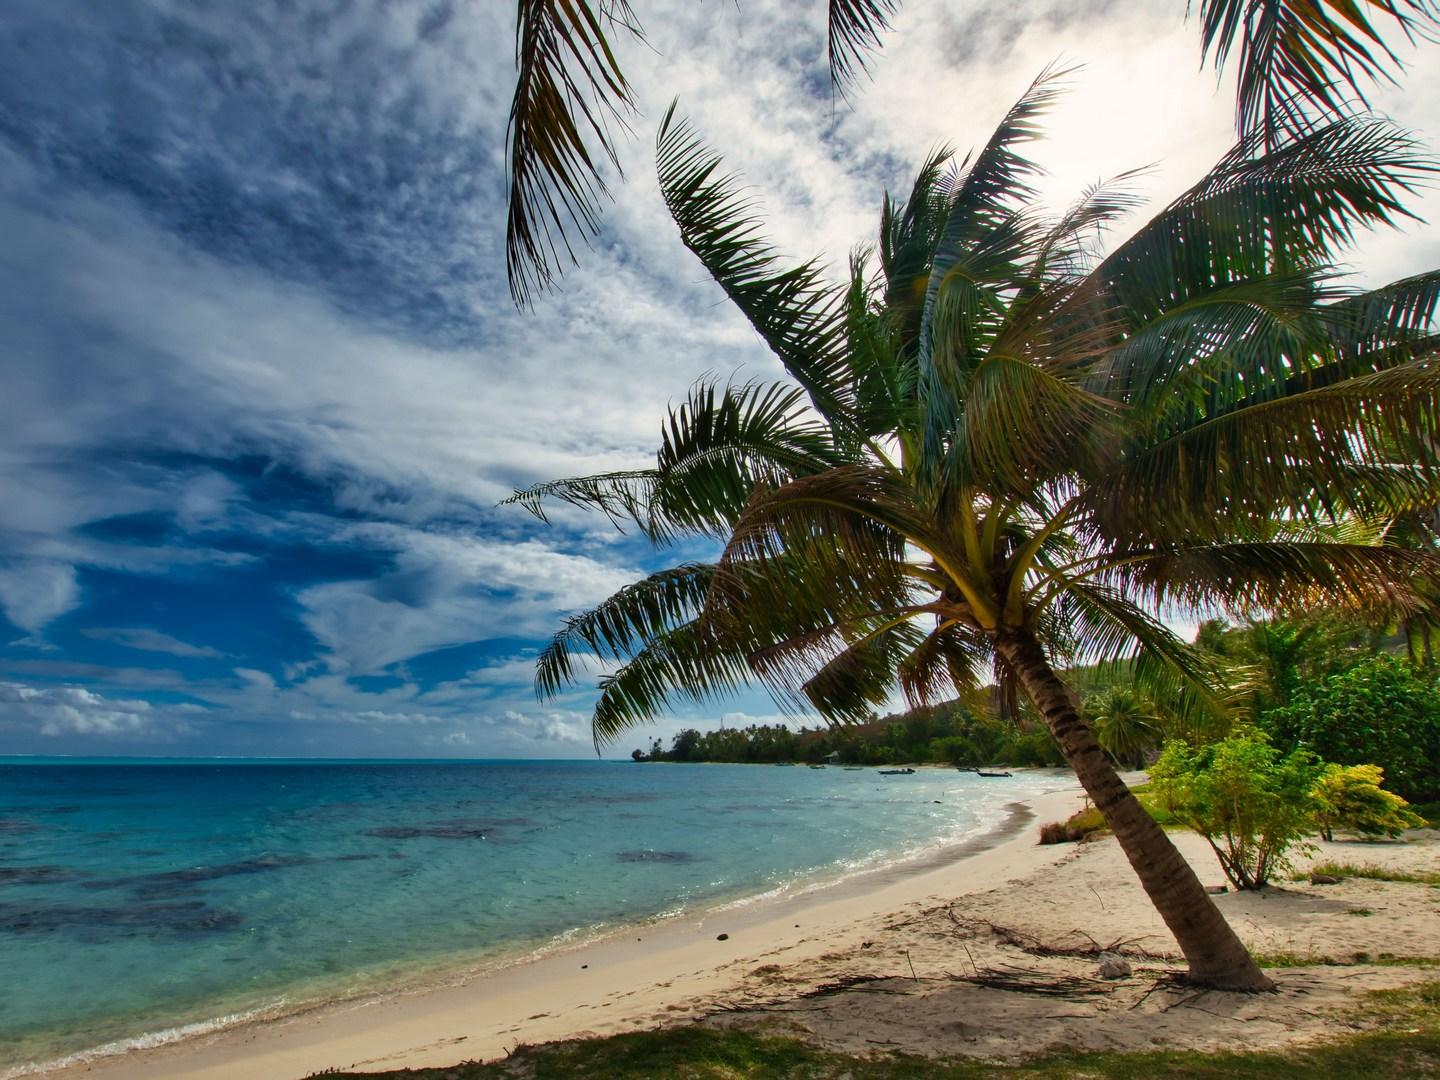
(1350, 797)
(1382, 712)
(1250, 802)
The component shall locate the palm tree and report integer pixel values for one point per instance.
(572, 98)
(1125, 724)
(999, 454)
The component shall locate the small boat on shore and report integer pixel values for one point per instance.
(817, 766)
(982, 772)
(897, 772)
(854, 768)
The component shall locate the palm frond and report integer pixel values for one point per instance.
(1246, 578)
(796, 312)
(1277, 214)
(617, 628)
(570, 96)
(683, 664)
(979, 248)
(1361, 446)
(855, 27)
(1298, 58)
(946, 664)
(715, 448)
(1112, 631)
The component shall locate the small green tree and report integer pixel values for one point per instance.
(1350, 797)
(1251, 803)
(1382, 711)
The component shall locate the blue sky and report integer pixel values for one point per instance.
(264, 385)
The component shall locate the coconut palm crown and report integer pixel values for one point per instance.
(997, 454)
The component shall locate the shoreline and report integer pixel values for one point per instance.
(628, 976)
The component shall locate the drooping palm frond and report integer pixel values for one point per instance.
(615, 629)
(848, 529)
(1111, 630)
(798, 314)
(1298, 454)
(947, 664)
(570, 96)
(1243, 578)
(1299, 58)
(858, 678)
(855, 29)
(683, 663)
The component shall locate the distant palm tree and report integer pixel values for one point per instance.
(1297, 57)
(998, 452)
(1125, 724)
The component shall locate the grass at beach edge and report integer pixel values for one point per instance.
(1403, 1040)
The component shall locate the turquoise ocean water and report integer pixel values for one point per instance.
(141, 897)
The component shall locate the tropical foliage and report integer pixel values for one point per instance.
(1001, 453)
(1350, 797)
(1251, 803)
(1382, 711)
(1298, 60)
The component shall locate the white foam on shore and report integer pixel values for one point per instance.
(149, 1040)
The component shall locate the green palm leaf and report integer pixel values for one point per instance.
(796, 312)
(569, 96)
(855, 27)
(714, 449)
(1297, 57)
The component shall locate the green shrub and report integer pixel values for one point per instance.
(1250, 802)
(1350, 797)
(1382, 712)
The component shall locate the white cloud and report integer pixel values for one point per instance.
(72, 710)
(551, 725)
(448, 589)
(34, 592)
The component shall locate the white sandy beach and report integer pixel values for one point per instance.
(907, 930)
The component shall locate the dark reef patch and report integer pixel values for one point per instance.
(190, 917)
(35, 875)
(655, 856)
(438, 832)
(171, 882)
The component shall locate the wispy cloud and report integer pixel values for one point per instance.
(146, 640)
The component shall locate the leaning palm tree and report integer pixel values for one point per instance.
(997, 454)
(1297, 59)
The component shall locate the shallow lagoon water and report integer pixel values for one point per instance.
(141, 896)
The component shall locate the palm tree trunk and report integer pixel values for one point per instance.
(1213, 951)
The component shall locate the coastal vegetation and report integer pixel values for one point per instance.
(1002, 452)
